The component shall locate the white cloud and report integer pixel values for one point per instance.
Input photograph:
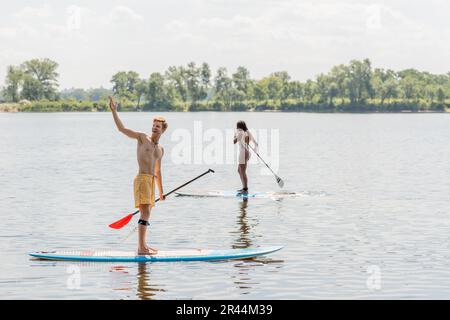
(34, 12)
(176, 26)
(304, 37)
(123, 15)
(8, 33)
(237, 21)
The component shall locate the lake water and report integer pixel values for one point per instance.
(371, 222)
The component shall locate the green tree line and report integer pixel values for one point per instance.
(356, 86)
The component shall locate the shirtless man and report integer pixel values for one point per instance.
(149, 154)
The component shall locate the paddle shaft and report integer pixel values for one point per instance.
(262, 159)
(209, 170)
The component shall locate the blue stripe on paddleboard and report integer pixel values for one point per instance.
(214, 255)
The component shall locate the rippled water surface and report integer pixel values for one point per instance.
(372, 219)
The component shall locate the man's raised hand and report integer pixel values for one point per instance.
(112, 105)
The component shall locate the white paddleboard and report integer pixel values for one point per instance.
(235, 194)
(162, 255)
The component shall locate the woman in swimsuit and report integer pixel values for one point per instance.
(243, 137)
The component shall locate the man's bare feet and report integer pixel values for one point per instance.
(147, 251)
(152, 249)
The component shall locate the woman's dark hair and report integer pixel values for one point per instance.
(241, 125)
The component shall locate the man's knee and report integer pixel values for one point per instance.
(144, 209)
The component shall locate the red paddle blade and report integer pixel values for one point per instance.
(122, 222)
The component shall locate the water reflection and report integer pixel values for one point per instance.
(146, 290)
(120, 278)
(244, 239)
(245, 279)
(124, 279)
(242, 280)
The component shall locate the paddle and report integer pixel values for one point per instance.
(124, 221)
(280, 182)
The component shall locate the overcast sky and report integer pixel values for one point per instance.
(93, 39)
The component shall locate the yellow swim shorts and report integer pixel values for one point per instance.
(144, 189)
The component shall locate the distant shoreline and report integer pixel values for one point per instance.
(91, 106)
(252, 111)
(355, 87)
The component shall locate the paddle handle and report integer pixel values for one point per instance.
(206, 172)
